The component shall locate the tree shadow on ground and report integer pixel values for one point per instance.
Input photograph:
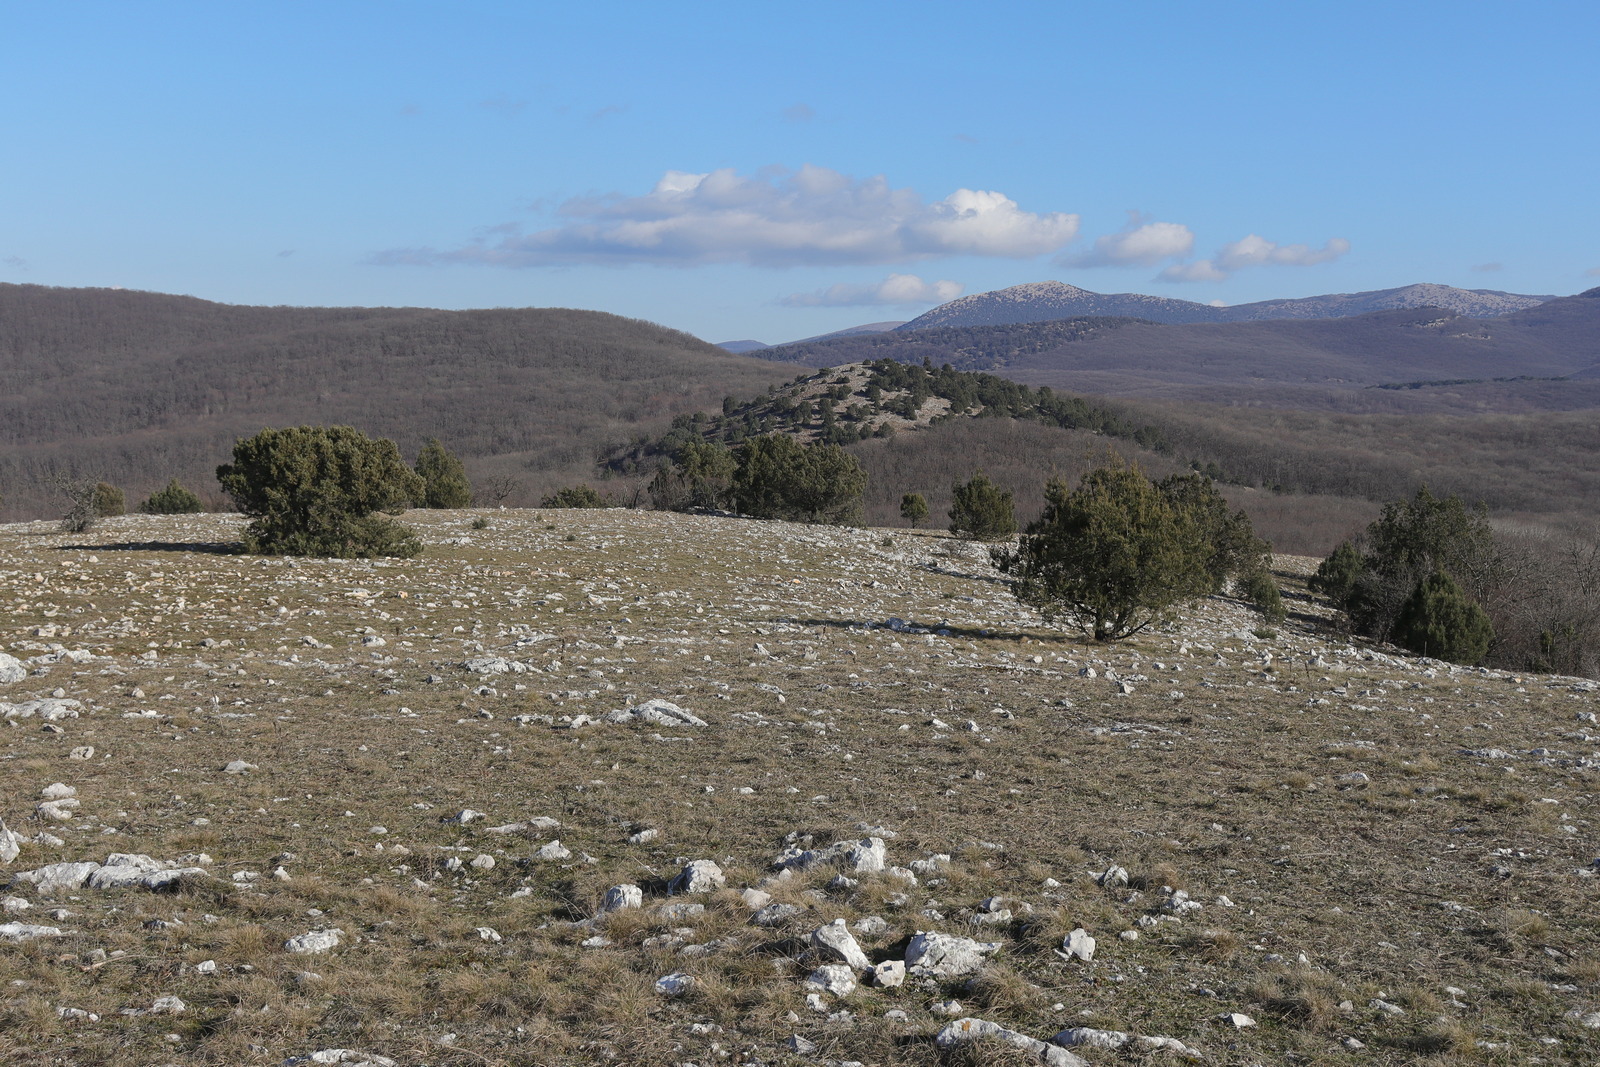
(215, 548)
(917, 629)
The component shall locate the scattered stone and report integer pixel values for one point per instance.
(675, 984)
(1237, 1020)
(865, 856)
(834, 941)
(932, 955)
(315, 941)
(1079, 944)
(168, 1006)
(835, 979)
(774, 915)
(349, 1057)
(552, 850)
(698, 876)
(657, 712)
(17, 932)
(801, 1046)
(619, 897)
(10, 843)
(239, 766)
(643, 837)
(82, 752)
(11, 669)
(889, 974)
(969, 1031)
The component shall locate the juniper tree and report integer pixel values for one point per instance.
(318, 491)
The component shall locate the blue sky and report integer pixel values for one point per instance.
(775, 171)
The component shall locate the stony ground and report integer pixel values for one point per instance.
(424, 811)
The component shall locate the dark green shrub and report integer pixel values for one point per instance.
(981, 510)
(173, 500)
(444, 479)
(778, 478)
(1112, 556)
(701, 477)
(1441, 621)
(577, 496)
(1235, 550)
(315, 491)
(109, 501)
(1261, 589)
(913, 509)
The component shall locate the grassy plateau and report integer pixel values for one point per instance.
(1289, 849)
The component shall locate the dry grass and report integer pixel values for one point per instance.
(1441, 870)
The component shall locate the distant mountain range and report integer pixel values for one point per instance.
(1542, 358)
(1049, 301)
(1045, 301)
(742, 347)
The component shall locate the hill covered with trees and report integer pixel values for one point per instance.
(138, 388)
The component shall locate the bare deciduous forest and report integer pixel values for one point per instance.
(138, 388)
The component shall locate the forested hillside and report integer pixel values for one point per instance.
(138, 388)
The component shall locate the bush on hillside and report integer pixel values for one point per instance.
(1441, 621)
(1111, 557)
(981, 510)
(444, 479)
(778, 478)
(173, 500)
(317, 491)
(109, 501)
(577, 496)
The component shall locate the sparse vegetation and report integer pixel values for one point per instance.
(1062, 777)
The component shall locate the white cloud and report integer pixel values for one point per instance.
(1141, 243)
(1253, 251)
(1488, 268)
(776, 218)
(897, 290)
(801, 112)
(1592, 272)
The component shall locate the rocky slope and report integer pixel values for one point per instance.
(578, 787)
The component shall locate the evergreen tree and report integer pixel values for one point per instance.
(778, 478)
(315, 491)
(109, 501)
(577, 496)
(1235, 550)
(1441, 621)
(173, 500)
(981, 510)
(1112, 556)
(913, 509)
(444, 479)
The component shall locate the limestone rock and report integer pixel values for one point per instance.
(1079, 944)
(931, 955)
(675, 984)
(969, 1030)
(657, 712)
(10, 843)
(835, 979)
(314, 941)
(619, 897)
(56, 877)
(698, 876)
(239, 766)
(11, 669)
(775, 915)
(348, 1057)
(16, 932)
(835, 942)
(889, 974)
(552, 850)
